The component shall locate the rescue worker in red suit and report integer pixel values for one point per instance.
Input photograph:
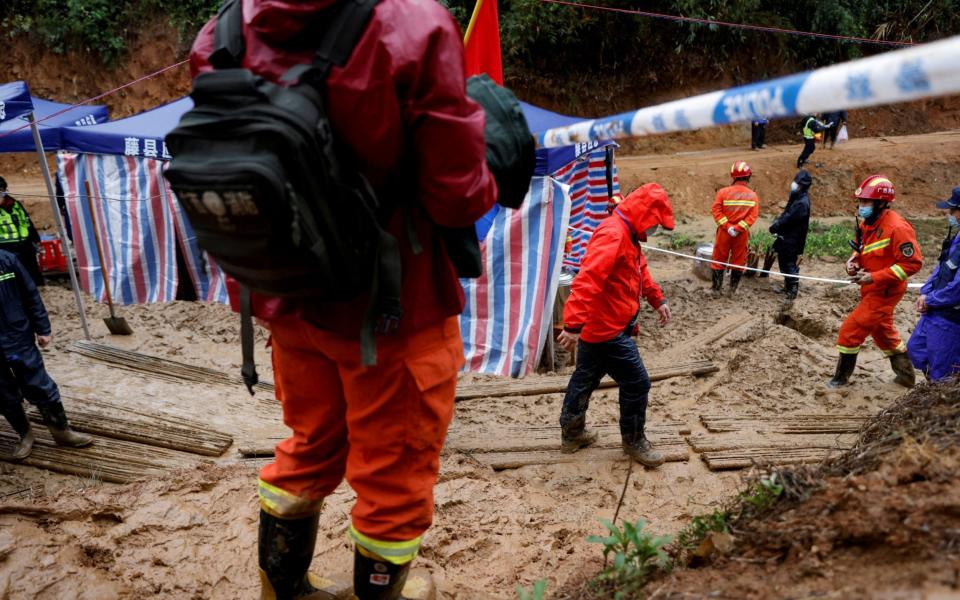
(601, 316)
(735, 209)
(400, 100)
(887, 255)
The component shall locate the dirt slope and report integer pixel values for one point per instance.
(880, 522)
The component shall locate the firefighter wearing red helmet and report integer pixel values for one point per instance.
(886, 253)
(735, 210)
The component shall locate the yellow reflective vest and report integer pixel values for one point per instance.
(14, 224)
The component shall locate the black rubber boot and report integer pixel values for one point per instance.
(792, 289)
(906, 376)
(572, 443)
(285, 552)
(717, 286)
(642, 451)
(735, 281)
(845, 366)
(377, 579)
(56, 421)
(17, 417)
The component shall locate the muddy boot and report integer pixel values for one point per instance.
(717, 286)
(56, 421)
(377, 579)
(643, 452)
(735, 281)
(17, 418)
(569, 445)
(285, 551)
(845, 365)
(906, 376)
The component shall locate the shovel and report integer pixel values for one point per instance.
(116, 325)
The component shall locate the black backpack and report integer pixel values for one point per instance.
(270, 194)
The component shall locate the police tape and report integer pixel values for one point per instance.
(922, 71)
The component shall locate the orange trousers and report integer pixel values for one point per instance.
(382, 427)
(872, 317)
(729, 249)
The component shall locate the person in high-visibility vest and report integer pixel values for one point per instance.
(887, 254)
(811, 127)
(17, 233)
(735, 209)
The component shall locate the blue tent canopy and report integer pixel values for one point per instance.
(551, 159)
(139, 135)
(21, 138)
(14, 100)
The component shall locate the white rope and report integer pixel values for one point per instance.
(745, 268)
(777, 273)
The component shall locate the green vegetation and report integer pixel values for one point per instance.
(537, 592)
(549, 38)
(636, 555)
(829, 240)
(681, 241)
(758, 499)
(760, 241)
(98, 27)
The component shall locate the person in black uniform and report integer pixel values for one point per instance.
(24, 324)
(837, 120)
(17, 233)
(791, 230)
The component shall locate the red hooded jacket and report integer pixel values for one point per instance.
(400, 99)
(606, 293)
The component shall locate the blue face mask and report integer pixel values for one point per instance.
(865, 212)
(954, 222)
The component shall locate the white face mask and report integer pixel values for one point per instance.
(794, 186)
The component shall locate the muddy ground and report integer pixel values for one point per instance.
(193, 534)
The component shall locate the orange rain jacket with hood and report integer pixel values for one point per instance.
(605, 296)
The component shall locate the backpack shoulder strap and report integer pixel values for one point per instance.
(228, 43)
(341, 35)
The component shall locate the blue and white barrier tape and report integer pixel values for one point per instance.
(923, 71)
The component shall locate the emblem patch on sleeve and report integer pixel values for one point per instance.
(907, 249)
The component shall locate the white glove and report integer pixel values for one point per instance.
(733, 231)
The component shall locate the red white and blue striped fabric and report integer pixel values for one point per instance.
(508, 308)
(140, 224)
(587, 178)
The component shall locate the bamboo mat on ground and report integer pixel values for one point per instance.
(107, 459)
(147, 427)
(554, 384)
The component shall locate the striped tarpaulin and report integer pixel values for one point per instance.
(508, 308)
(587, 178)
(140, 225)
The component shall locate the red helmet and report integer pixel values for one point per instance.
(876, 187)
(740, 170)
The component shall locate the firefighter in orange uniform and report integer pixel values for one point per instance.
(735, 209)
(886, 254)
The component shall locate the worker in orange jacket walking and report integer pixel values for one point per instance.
(735, 209)
(886, 254)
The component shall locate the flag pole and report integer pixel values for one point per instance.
(64, 240)
(473, 21)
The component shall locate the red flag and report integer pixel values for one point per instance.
(482, 42)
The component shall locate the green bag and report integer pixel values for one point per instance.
(511, 156)
(511, 151)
